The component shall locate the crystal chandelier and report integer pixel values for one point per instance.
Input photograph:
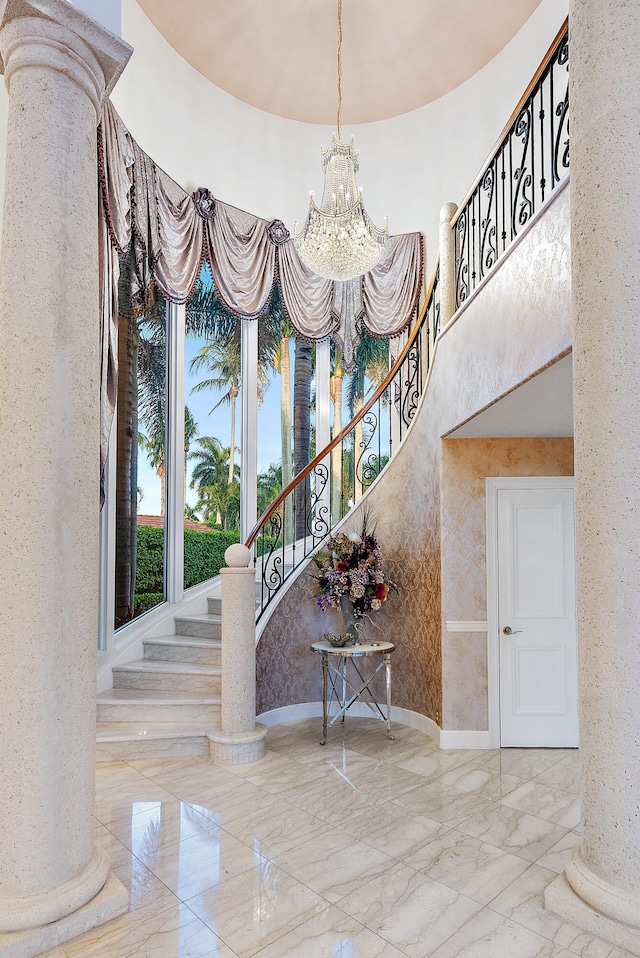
(339, 240)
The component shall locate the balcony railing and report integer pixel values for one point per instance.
(306, 511)
(530, 160)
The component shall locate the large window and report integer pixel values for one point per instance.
(140, 459)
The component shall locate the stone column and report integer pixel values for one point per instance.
(58, 64)
(447, 264)
(240, 739)
(600, 890)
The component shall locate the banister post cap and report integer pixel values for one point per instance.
(237, 556)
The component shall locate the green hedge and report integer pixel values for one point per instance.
(203, 559)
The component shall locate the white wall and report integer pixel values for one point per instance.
(410, 165)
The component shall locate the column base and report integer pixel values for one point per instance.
(112, 900)
(239, 748)
(562, 900)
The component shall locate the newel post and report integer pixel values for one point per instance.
(447, 264)
(239, 740)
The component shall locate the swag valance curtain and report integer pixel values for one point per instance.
(167, 232)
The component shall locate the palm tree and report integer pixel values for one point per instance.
(224, 357)
(190, 433)
(372, 363)
(211, 469)
(269, 486)
(223, 500)
(335, 387)
(282, 332)
(303, 369)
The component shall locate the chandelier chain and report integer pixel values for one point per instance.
(339, 121)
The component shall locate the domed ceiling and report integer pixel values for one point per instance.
(281, 55)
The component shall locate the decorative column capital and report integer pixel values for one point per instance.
(56, 35)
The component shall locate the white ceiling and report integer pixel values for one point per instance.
(543, 406)
(281, 55)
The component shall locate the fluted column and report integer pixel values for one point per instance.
(601, 890)
(240, 739)
(57, 65)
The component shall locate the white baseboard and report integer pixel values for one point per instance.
(452, 738)
(295, 713)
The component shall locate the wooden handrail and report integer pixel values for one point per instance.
(266, 515)
(507, 127)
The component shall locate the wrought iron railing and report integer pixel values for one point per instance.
(530, 160)
(303, 515)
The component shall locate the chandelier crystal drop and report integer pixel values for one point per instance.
(339, 241)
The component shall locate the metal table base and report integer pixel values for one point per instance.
(338, 687)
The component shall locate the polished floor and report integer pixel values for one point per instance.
(363, 848)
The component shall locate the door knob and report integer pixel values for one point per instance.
(509, 631)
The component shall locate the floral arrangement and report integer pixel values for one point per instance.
(351, 567)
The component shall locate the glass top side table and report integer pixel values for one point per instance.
(338, 687)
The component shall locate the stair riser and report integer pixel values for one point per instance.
(166, 682)
(199, 630)
(152, 748)
(215, 606)
(158, 712)
(191, 655)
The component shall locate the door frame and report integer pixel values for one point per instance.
(493, 486)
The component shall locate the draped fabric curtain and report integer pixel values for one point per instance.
(167, 232)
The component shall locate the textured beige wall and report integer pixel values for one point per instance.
(465, 464)
(518, 324)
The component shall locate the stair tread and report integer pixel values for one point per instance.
(146, 696)
(166, 665)
(184, 640)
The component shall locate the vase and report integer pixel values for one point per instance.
(349, 619)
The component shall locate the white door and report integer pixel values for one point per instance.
(536, 617)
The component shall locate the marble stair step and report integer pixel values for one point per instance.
(215, 602)
(167, 677)
(207, 626)
(182, 648)
(150, 705)
(130, 740)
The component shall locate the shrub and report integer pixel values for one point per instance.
(203, 559)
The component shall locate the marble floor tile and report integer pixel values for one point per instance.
(523, 902)
(564, 775)
(524, 763)
(223, 805)
(558, 856)
(276, 828)
(276, 775)
(443, 803)
(170, 932)
(482, 781)
(143, 886)
(543, 801)
(256, 908)
(489, 935)
(115, 803)
(409, 910)
(468, 865)
(159, 824)
(395, 831)
(334, 864)
(513, 831)
(430, 763)
(197, 864)
(331, 934)
(334, 801)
